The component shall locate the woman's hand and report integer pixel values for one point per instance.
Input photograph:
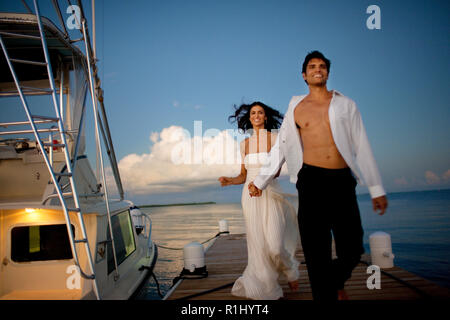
(225, 181)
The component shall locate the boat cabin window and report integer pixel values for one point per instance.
(123, 238)
(40, 243)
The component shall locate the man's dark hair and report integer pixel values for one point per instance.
(318, 55)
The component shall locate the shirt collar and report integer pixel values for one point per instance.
(337, 92)
(333, 90)
(300, 98)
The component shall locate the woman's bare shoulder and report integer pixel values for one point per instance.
(272, 137)
(244, 146)
(245, 142)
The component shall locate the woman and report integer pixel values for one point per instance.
(271, 220)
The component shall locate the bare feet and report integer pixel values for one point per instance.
(294, 285)
(342, 295)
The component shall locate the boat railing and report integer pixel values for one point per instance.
(147, 231)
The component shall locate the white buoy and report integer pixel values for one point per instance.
(381, 249)
(194, 256)
(223, 226)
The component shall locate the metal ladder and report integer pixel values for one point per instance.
(33, 120)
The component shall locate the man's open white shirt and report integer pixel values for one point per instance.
(349, 136)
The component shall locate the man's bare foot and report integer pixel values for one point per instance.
(294, 285)
(342, 295)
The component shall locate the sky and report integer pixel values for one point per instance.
(172, 71)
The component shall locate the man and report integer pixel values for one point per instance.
(323, 141)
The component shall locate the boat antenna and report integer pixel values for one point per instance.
(93, 31)
(26, 6)
(99, 94)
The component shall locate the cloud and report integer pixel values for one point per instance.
(179, 162)
(174, 166)
(446, 176)
(431, 177)
(154, 136)
(401, 181)
(177, 104)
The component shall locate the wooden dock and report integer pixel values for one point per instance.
(226, 260)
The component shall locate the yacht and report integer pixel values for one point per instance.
(62, 234)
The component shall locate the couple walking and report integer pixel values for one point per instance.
(323, 141)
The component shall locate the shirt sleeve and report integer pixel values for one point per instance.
(268, 171)
(364, 156)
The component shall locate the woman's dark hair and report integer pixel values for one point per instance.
(242, 116)
(318, 55)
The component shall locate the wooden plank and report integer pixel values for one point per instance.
(226, 260)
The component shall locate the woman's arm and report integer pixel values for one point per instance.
(240, 179)
(278, 174)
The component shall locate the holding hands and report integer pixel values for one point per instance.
(253, 190)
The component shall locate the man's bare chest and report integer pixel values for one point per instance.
(312, 115)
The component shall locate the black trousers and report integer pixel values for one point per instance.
(327, 205)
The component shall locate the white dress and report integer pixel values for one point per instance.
(272, 237)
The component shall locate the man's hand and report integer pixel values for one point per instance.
(253, 190)
(381, 204)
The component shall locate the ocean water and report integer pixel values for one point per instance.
(418, 222)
